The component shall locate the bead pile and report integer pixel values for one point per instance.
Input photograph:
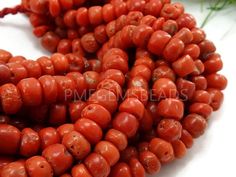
(129, 86)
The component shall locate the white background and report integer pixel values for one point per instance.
(214, 154)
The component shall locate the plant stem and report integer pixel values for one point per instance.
(210, 13)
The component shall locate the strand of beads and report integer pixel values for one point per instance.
(143, 128)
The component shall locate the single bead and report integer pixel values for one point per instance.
(137, 92)
(105, 98)
(217, 98)
(70, 18)
(111, 85)
(14, 169)
(5, 56)
(213, 63)
(120, 8)
(50, 41)
(64, 129)
(30, 142)
(98, 114)
(169, 129)
(89, 129)
(31, 91)
(89, 43)
(49, 89)
(184, 66)
(60, 63)
(108, 13)
(64, 46)
(97, 165)
(80, 171)
(38, 166)
(162, 149)
(141, 35)
(57, 114)
(150, 162)
(186, 20)
(170, 26)
(58, 157)
(115, 62)
(95, 15)
(141, 70)
(163, 72)
(108, 151)
(216, 81)
(113, 74)
(121, 169)
(10, 138)
(75, 109)
(171, 108)
(118, 138)
(12, 105)
(187, 138)
(199, 68)
(184, 35)
(120, 22)
(201, 96)
(54, 8)
(76, 63)
(82, 18)
(91, 79)
(18, 72)
(164, 88)
(33, 68)
(158, 23)
(202, 109)
(80, 84)
(131, 105)
(179, 149)
(200, 82)
(5, 74)
(48, 136)
(46, 64)
(158, 42)
(185, 88)
(115, 51)
(126, 123)
(76, 144)
(194, 124)
(100, 34)
(153, 7)
(65, 88)
(206, 47)
(192, 50)
(145, 61)
(170, 11)
(198, 35)
(173, 49)
(77, 47)
(138, 81)
(111, 28)
(136, 168)
(148, 20)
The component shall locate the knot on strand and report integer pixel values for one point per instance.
(13, 11)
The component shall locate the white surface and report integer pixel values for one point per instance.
(214, 154)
